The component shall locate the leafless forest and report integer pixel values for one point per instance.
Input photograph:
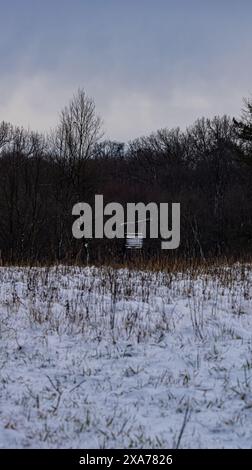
(207, 168)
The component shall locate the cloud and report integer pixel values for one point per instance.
(132, 114)
(34, 101)
(196, 63)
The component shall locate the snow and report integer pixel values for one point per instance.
(104, 358)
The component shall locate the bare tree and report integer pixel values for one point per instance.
(79, 129)
(244, 126)
(73, 144)
(5, 133)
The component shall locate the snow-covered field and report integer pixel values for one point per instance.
(99, 358)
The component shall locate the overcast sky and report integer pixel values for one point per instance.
(148, 64)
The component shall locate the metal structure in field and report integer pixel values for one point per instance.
(134, 241)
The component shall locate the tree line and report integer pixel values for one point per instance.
(207, 168)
